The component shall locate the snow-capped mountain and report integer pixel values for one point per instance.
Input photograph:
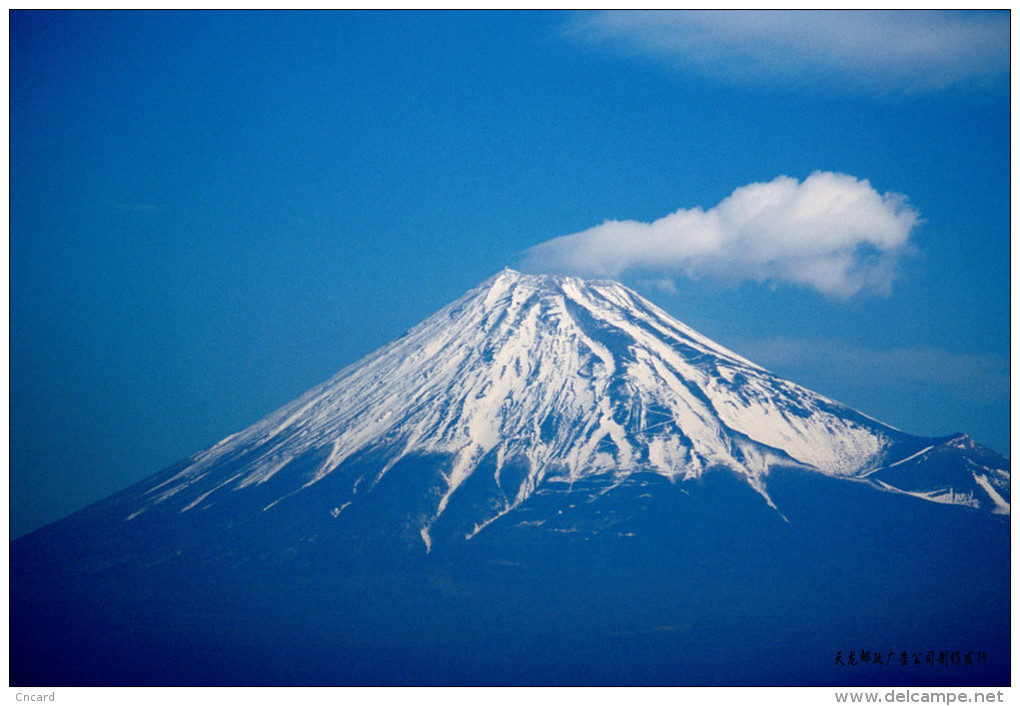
(551, 481)
(545, 380)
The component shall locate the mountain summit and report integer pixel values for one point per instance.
(548, 423)
(542, 381)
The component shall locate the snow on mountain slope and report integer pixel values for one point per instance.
(567, 378)
(956, 471)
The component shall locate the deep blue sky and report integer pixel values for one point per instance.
(212, 212)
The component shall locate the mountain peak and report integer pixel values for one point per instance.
(553, 281)
(532, 382)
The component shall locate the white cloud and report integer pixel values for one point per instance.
(967, 376)
(882, 50)
(832, 232)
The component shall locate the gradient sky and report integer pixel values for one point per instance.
(212, 212)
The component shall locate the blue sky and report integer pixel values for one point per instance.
(211, 213)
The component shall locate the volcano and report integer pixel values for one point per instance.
(549, 481)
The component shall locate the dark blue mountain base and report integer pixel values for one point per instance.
(648, 582)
